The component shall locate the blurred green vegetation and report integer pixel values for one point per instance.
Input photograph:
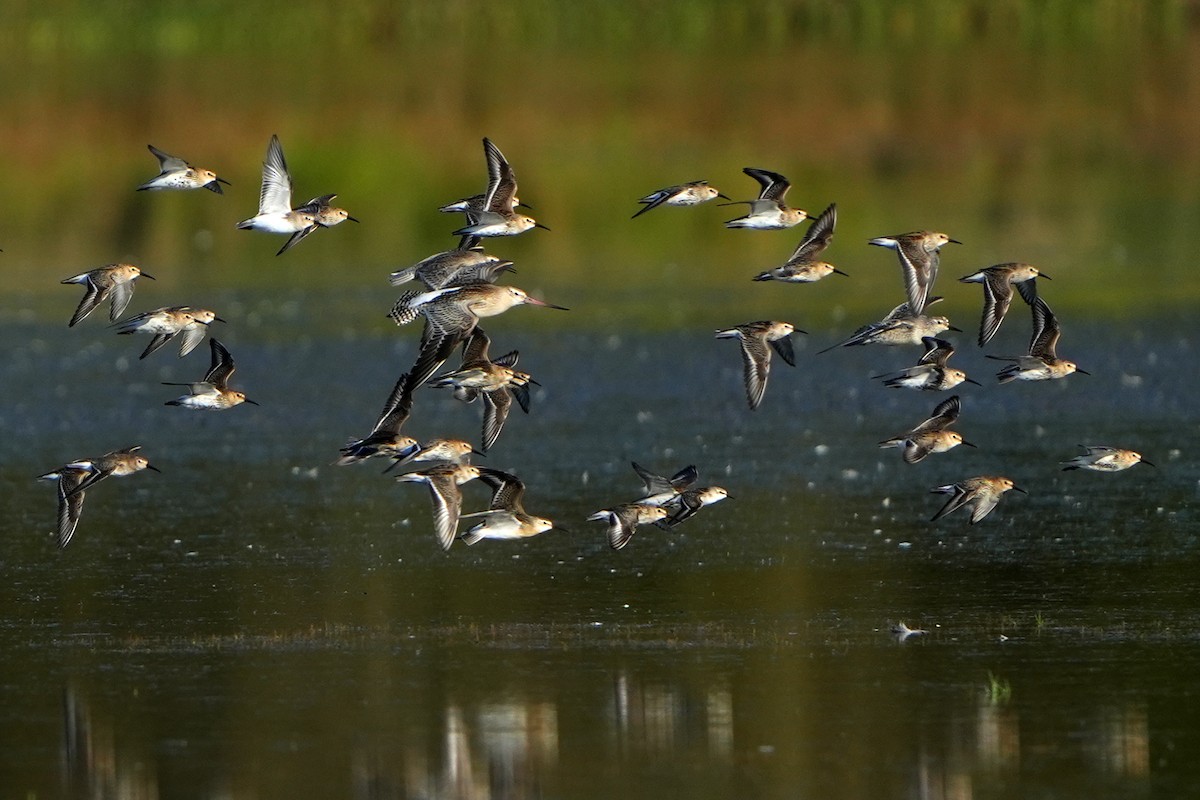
(1062, 134)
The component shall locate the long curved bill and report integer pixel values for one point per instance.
(540, 225)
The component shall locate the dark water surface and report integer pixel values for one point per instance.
(254, 622)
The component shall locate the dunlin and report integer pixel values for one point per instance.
(756, 358)
(803, 266)
(113, 282)
(497, 217)
(275, 212)
(692, 193)
(385, 439)
(691, 501)
(496, 381)
(768, 211)
(175, 173)
(659, 490)
(506, 517)
(899, 327)
(212, 392)
(458, 267)
(919, 256)
(930, 373)
(324, 216)
(932, 435)
(164, 324)
(448, 451)
(623, 520)
(979, 494)
(443, 481)
(1042, 363)
(998, 282)
(451, 315)
(1100, 458)
(76, 477)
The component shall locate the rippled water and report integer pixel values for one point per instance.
(255, 622)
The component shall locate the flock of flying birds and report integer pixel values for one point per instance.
(460, 288)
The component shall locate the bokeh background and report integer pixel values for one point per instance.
(256, 623)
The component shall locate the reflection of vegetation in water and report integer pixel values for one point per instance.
(1058, 135)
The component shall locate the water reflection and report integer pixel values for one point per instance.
(656, 718)
(516, 746)
(982, 748)
(91, 764)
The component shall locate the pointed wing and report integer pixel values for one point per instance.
(960, 498)
(509, 359)
(920, 269)
(944, 415)
(92, 297)
(317, 204)
(495, 412)
(275, 197)
(774, 185)
(521, 393)
(222, 365)
(783, 346)
(1028, 290)
(502, 183)
(654, 484)
(167, 162)
(447, 505)
(656, 199)
(914, 451)
(819, 234)
(689, 504)
(476, 347)
(997, 297)
(121, 293)
(296, 238)
(193, 334)
(396, 409)
(937, 351)
(70, 504)
(156, 342)
(1045, 331)
(622, 522)
(756, 362)
(684, 478)
(507, 489)
(984, 503)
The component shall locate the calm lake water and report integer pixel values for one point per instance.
(256, 623)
